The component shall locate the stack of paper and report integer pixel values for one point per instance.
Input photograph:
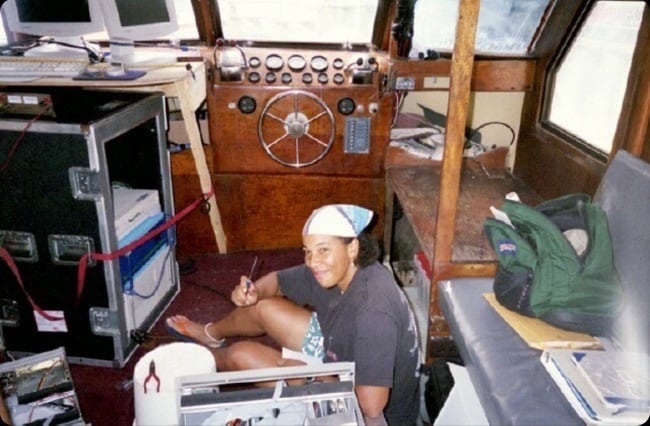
(603, 387)
(620, 379)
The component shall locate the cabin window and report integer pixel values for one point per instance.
(589, 79)
(505, 27)
(310, 21)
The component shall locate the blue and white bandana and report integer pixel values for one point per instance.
(339, 220)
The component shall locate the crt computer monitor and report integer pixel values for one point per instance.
(66, 21)
(131, 21)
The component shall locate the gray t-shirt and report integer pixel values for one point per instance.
(370, 324)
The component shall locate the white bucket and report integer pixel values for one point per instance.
(171, 361)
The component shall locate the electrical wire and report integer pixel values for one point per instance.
(93, 57)
(490, 123)
(134, 292)
(400, 95)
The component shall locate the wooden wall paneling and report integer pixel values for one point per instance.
(237, 147)
(193, 232)
(549, 164)
(488, 75)
(269, 211)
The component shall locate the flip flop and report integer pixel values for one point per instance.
(214, 343)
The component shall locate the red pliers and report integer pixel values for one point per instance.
(152, 375)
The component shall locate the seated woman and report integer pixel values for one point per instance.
(341, 305)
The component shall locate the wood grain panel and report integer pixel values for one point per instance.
(269, 211)
(238, 148)
(487, 76)
(263, 202)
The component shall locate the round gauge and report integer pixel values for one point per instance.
(246, 104)
(318, 63)
(322, 78)
(254, 62)
(270, 77)
(296, 63)
(338, 63)
(286, 78)
(254, 77)
(307, 78)
(274, 62)
(338, 78)
(346, 106)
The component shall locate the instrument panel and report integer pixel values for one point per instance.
(295, 108)
(291, 129)
(293, 67)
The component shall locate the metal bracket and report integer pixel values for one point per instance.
(69, 249)
(84, 183)
(103, 321)
(21, 245)
(9, 313)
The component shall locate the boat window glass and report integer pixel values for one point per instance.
(505, 27)
(590, 79)
(308, 21)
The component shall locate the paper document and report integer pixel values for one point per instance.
(620, 379)
(586, 402)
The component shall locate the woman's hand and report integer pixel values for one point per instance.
(244, 294)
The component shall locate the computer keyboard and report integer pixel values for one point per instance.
(16, 67)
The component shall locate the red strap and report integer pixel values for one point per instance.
(4, 254)
(83, 262)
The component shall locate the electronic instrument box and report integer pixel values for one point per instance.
(83, 171)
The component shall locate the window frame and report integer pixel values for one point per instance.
(549, 86)
(546, 161)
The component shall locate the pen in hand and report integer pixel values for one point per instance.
(249, 280)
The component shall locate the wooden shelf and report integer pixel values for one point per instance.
(416, 184)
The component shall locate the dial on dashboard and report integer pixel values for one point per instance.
(296, 63)
(318, 63)
(274, 62)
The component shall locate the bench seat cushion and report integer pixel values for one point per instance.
(511, 383)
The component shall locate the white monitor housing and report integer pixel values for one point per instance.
(66, 22)
(130, 21)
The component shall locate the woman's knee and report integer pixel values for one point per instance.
(245, 354)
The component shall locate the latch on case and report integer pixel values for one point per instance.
(103, 321)
(68, 249)
(9, 313)
(84, 183)
(20, 245)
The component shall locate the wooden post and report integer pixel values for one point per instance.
(459, 92)
(460, 78)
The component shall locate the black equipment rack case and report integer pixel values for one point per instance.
(56, 203)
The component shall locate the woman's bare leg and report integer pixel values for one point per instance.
(246, 355)
(282, 320)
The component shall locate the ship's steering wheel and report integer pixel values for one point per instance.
(303, 136)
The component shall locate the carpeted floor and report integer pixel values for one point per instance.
(105, 394)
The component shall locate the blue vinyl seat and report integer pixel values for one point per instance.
(512, 385)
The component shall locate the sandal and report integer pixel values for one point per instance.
(179, 334)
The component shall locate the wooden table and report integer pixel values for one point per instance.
(175, 81)
(416, 184)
